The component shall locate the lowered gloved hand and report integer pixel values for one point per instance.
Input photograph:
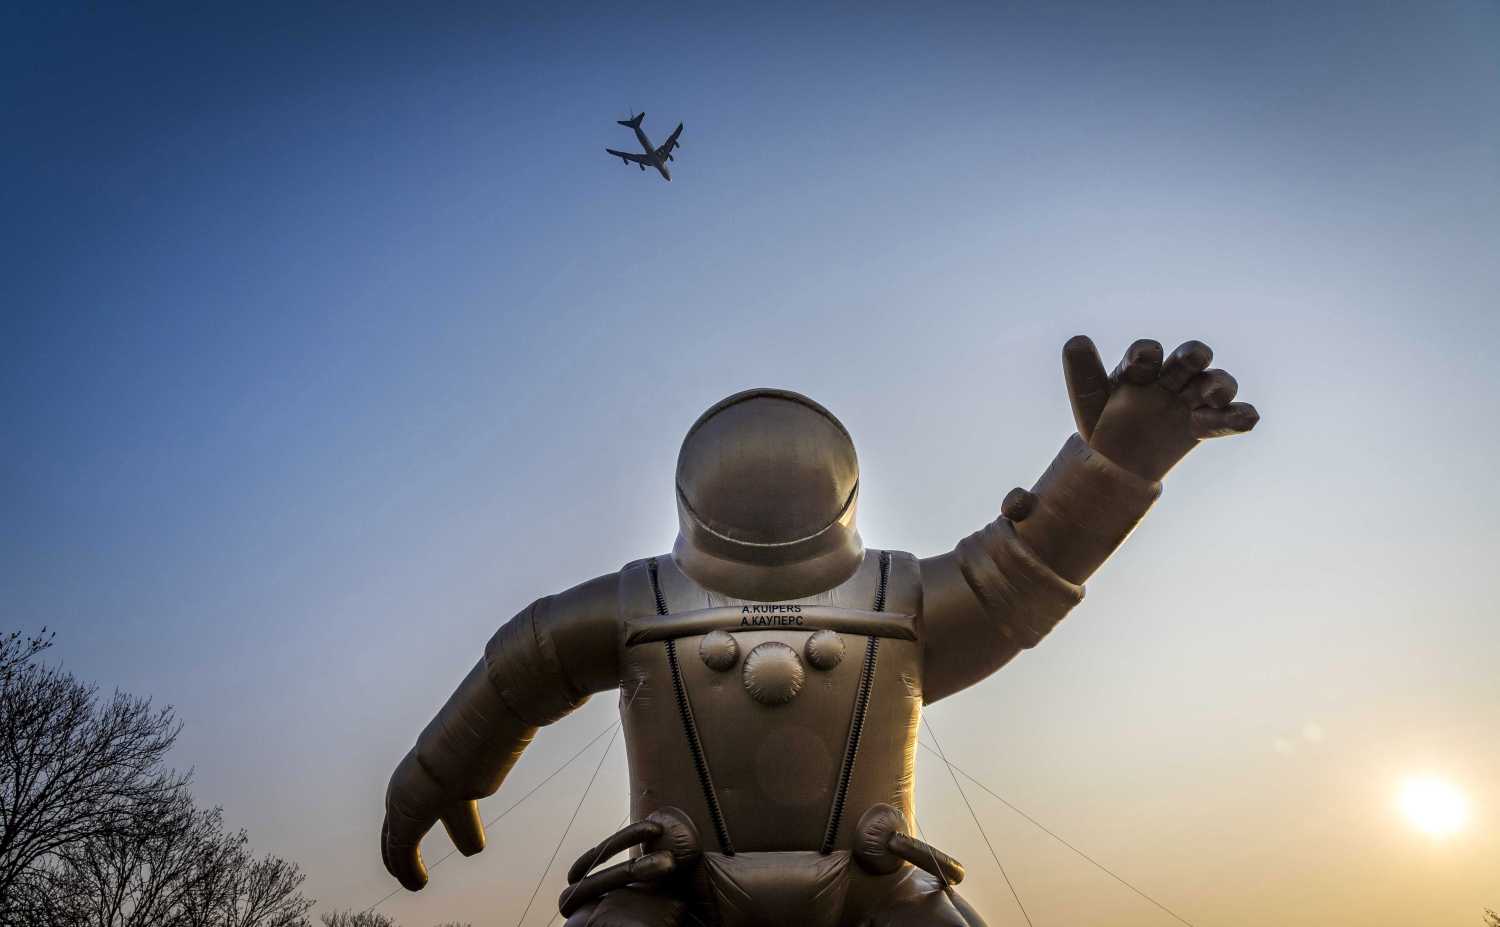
(414, 802)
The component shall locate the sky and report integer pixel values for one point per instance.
(332, 338)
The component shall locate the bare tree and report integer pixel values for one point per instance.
(135, 879)
(368, 919)
(356, 919)
(73, 767)
(96, 832)
(17, 651)
(262, 893)
(188, 873)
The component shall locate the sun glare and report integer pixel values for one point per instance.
(1435, 806)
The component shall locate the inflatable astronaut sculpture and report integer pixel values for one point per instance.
(772, 671)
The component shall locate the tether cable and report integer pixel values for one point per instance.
(615, 729)
(961, 794)
(513, 806)
(576, 808)
(937, 870)
(1044, 829)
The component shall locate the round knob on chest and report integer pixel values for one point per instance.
(773, 673)
(825, 649)
(719, 650)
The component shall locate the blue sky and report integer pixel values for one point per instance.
(331, 338)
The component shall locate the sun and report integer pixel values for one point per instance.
(1435, 806)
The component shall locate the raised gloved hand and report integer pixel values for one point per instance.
(1148, 413)
(414, 802)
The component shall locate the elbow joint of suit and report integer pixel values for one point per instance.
(523, 664)
(1013, 584)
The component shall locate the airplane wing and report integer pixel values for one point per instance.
(634, 158)
(670, 143)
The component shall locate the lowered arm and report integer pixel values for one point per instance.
(538, 667)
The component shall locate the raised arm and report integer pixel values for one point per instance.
(539, 666)
(1004, 587)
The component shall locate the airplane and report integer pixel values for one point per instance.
(654, 157)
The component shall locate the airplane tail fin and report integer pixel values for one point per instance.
(632, 123)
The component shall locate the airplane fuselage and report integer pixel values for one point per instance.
(650, 150)
(650, 156)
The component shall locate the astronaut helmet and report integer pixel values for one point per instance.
(767, 487)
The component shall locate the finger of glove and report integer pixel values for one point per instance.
(649, 868)
(1235, 418)
(628, 836)
(1189, 360)
(400, 851)
(1140, 365)
(464, 827)
(926, 857)
(1088, 384)
(1214, 388)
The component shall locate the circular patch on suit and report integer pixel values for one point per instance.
(796, 768)
(719, 650)
(773, 673)
(825, 649)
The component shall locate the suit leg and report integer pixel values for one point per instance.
(631, 907)
(919, 901)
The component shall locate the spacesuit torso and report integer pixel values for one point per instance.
(768, 723)
(773, 726)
